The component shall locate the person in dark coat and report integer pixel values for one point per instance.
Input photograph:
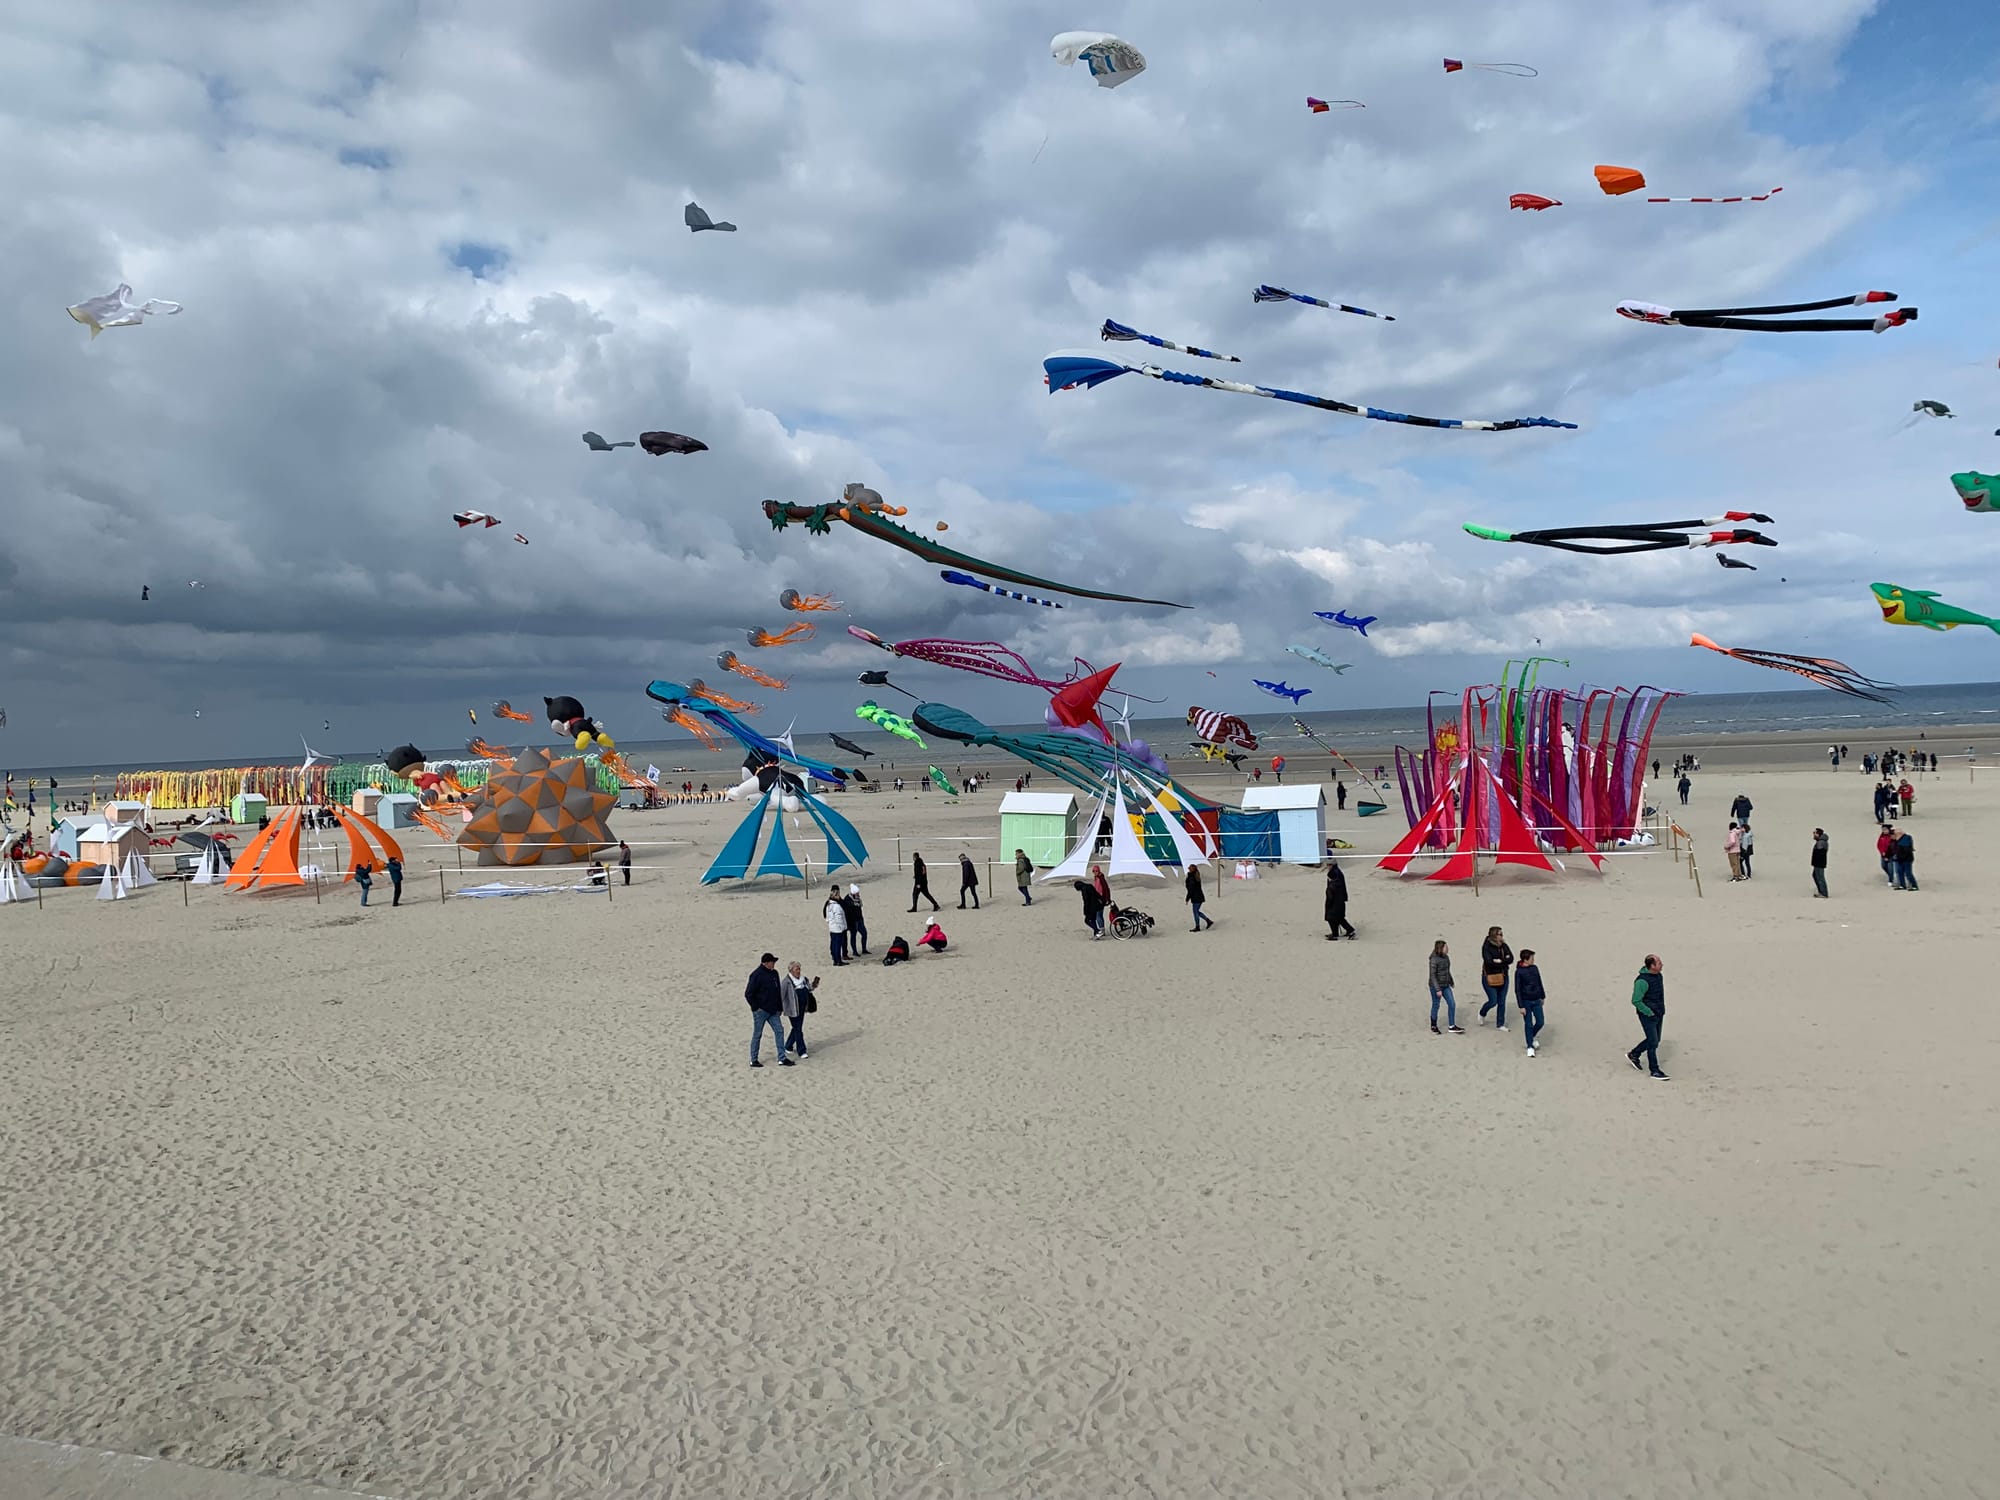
(1336, 902)
(1649, 999)
(920, 882)
(364, 877)
(1195, 896)
(968, 882)
(394, 869)
(1495, 959)
(1093, 908)
(766, 996)
(1529, 995)
(625, 860)
(1819, 863)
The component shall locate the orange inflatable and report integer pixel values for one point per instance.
(1616, 180)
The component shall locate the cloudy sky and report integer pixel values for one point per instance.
(423, 244)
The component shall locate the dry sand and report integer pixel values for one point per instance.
(480, 1200)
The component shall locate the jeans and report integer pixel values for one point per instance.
(1819, 880)
(1650, 1044)
(1450, 1005)
(836, 943)
(1906, 878)
(857, 939)
(364, 888)
(1198, 917)
(1095, 922)
(1888, 870)
(1531, 1020)
(1496, 995)
(968, 890)
(759, 1019)
(1746, 864)
(798, 1038)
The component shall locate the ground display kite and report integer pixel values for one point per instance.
(894, 724)
(1763, 319)
(798, 632)
(1319, 657)
(1823, 670)
(1976, 491)
(1518, 70)
(1111, 60)
(660, 443)
(596, 444)
(1220, 728)
(1901, 606)
(730, 662)
(1279, 294)
(116, 309)
(781, 794)
(505, 710)
(1120, 332)
(693, 708)
(849, 746)
(566, 717)
(697, 219)
(1280, 690)
(467, 518)
(966, 580)
(539, 813)
(1321, 106)
(1068, 371)
(864, 510)
(792, 599)
(1654, 536)
(1340, 617)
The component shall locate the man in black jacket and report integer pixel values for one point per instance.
(767, 1003)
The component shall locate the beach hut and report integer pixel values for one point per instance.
(125, 812)
(396, 810)
(1041, 823)
(63, 839)
(248, 807)
(109, 843)
(366, 800)
(1301, 815)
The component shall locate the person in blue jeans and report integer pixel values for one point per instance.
(364, 877)
(1905, 850)
(1440, 987)
(1495, 958)
(1529, 994)
(766, 995)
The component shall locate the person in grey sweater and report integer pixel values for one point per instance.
(1440, 986)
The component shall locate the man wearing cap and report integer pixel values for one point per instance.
(767, 1003)
(857, 924)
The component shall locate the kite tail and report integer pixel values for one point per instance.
(1887, 321)
(1860, 299)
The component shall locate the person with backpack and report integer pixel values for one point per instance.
(1649, 999)
(1024, 875)
(1819, 863)
(1529, 995)
(1905, 852)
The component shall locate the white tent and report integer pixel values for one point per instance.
(136, 873)
(1078, 862)
(110, 887)
(12, 886)
(1128, 855)
(212, 869)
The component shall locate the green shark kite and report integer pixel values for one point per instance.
(1901, 606)
(1977, 490)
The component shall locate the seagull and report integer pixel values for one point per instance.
(313, 757)
(595, 443)
(697, 220)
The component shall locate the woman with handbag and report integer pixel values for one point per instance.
(797, 1001)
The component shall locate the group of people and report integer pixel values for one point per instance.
(1898, 852)
(1498, 965)
(847, 931)
(364, 876)
(968, 881)
(1887, 795)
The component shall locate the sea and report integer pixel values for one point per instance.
(1695, 717)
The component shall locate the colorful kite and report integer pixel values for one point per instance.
(941, 781)
(1221, 728)
(792, 599)
(1111, 60)
(865, 511)
(966, 580)
(1321, 106)
(1534, 201)
(1119, 331)
(1073, 700)
(1656, 536)
(596, 444)
(720, 699)
(1976, 490)
(1279, 294)
(1901, 606)
(1517, 70)
(1759, 320)
(1314, 654)
(895, 724)
(1280, 690)
(1616, 181)
(467, 518)
(729, 662)
(566, 717)
(1068, 371)
(799, 632)
(116, 309)
(697, 220)
(660, 443)
(505, 710)
(1824, 670)
(1345, 621)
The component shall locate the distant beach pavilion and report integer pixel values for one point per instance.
(1042, 824)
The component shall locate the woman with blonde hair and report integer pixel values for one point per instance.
(1440, 985)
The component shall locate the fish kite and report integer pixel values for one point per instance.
(792, 599)
(1534, 201)
(941, 781)
(849, 746)
(864, 510)
(1760, 319)
(467, 518)
(596, 444)
(1314, 654)
(1977, 490)
(1220, 728)
(566, 717)
(729, 662)
(660, 443)
(1119, 331)
(895, 724)
(1280, 690)
(1657, 536)
(1279, 294)
(1111, 60)
(1933, 409)
(521, 539)
(116, 309)
(798, 632)
(1321, 106)
(1824, 670)
(1518, 70)
(1346, 621)
(1729, 562)
(966, 580)
(697, 220)
(1068, 371)
(1901, 606)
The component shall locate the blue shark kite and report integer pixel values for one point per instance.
(1279, 294)
(1280, 690)
(1119, 331)
(1346, 621)
(1068, 371)
(1315, 655)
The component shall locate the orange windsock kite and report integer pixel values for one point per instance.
(1616, 180)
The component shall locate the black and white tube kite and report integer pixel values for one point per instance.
(1761, 319)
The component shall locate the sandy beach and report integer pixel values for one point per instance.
(479, 1199)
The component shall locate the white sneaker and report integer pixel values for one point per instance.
(1499, 1028)
(1531, 1052)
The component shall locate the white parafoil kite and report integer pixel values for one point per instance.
(118, 310)
(1112, 59)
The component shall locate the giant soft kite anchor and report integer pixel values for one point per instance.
(1120, 332)
(1279, 294)
(864, 510)
(1068, 371)
(1762, 319)
(1656, 536)
(1824, 670)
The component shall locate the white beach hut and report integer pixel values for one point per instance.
(1301, 814)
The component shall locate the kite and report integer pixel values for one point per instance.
(1280, 690)
(943, 526)
(1517, 70)
(1314, 654)
(895, 724)
(1657, 536)
(1279, 294)
(521, 539)
(566, 717)
(697, 220)
(1067, 371)
(1757, 319)
(196, 583)
(865, 511)
(1977, 490)
(1321, 106)
(505, 710)
(881, 679)
(1933, 409)
(694, 708)
(472, 714)
(1346, 621)
(1534, 201)
(406, 761)
(849, 746)
(721, 699)
(116, 309)
(596, 444)
(661, 443)
(1220, 728)
(467, 518)
(1364, 806)
(1729, 562)
(1619, 180)
(968, 581)
(728, 661)
(146, 591)
(1901, 606)
(1072, 701)
(1119, 331)
(799, 632)
(792, 599)
(1824, 670)
(1111, 59)
(941, 781)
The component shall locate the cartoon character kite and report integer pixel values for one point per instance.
(1977, 491)
(1340, 617)
(1279, 294)
(116, 309)
(1901, 606)
(1761, 319)
(1280, 690)
(1120, 332)
(566, 717)
(1824, 670)
(1656, 536)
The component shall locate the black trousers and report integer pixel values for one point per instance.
(796, 1042)
(922, 888)
(968, 890)
(1650, 1045)
(1336, 921)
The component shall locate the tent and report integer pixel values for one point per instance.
(1044, 824)
(1301, 821)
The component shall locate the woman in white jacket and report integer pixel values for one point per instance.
(836, 930)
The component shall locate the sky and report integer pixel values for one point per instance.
(423, 245)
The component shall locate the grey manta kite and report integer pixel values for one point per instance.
(697, 220)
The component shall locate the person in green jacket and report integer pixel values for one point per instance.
(1024, 872)
(1649, 999)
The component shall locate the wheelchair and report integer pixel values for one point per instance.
(1129, 922)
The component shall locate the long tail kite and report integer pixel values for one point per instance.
(1658, 536)
(1067, 371)
(1119, 331)
(729, 661)
(871, 520)
(1824, 670)
(1761, 319)
(1279, 294)
(966, 580)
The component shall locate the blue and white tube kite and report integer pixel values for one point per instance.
(1119, 331)
(1279, 294)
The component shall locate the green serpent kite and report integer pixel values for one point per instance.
(866, 511)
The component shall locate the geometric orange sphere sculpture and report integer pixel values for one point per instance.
(536, 813)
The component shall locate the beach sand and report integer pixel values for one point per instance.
(479, 1199)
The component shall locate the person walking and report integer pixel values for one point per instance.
(1439, 978)
(1093, 908)
(625, 860)
(766, 997)
(1885, 847)
(1649, 999)
(857, 921)
(1103, 886)
(968, 881)
(920, 882)
(796, 1002)
(1529, 995)
(1195, 896)
(1732, 845)
(1740, 808)
(1749, 839)
(1819, 863)
(1495, 959)
(394, 868)
(836, 929)
(364, 877)
(1024, 875)
(1336, 902)
(1881, 800)
(1685, 786)
(1340, 795)
(1905, 852)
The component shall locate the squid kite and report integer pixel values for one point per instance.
(116, 309)
(1657, 536)
(1221, 728)
(1279, 294)
(799, 632)
(1067, 371)
(895, 724)
(1314, 654)
(1119, 331)
(792, 599)
(720, 699)
(505, 710)
(1111, 60)
(1977, 491)
(966, 580)
(1517, 70)
(865, 511)
(1321, 106)
(1823, 670)
(1760, 319)
(1281, 690)
(1340, 617)
(697, 219)
(729, 662)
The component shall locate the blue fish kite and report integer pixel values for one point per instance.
(1119, 331)
(1314, 654)
(1279, 690)
(1346, 621)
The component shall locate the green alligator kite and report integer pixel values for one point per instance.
(895, 724)
(1977, 490)
(1901, 606)
(865, 510)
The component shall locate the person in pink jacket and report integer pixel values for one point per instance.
(1733, 847)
